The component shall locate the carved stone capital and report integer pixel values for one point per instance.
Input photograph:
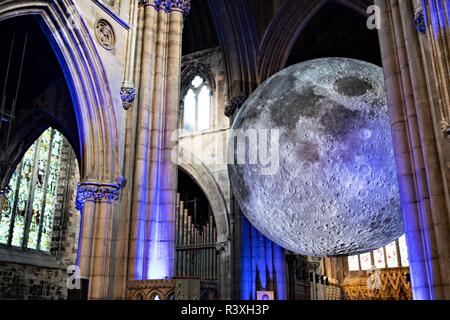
(183, 6)
(97, 192)
(234, 105)
(128, 94)
(313, 267)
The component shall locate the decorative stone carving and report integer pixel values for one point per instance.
(183, 6)
(235, 104)
(97, 192)
(128, 94)
(221, 247)
(105, 35)
(420, 23)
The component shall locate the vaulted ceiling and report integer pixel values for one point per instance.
(261, 37)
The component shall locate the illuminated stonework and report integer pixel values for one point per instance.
(97, 192)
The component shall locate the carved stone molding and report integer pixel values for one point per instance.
(127, 94)
(97, 192)
(183, 6)
(104, 34)
(234, 105)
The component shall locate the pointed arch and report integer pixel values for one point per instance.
(286, 27)
(87, 81)
(206, 181)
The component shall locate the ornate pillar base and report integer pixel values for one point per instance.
(97, 203)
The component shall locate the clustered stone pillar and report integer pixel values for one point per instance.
(436, 17)
(420, 147)
(97, 202)
(153, 203)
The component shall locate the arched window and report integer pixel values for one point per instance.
(27, 214)
(394, 255)
(197, 106)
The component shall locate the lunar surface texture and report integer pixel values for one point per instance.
(335, 191)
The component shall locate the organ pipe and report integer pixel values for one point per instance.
(195, 246)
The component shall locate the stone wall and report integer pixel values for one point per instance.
(203, 155)
(31, 283)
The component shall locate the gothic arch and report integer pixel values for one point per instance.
(286, 27)
(87, 81)
(203, 177)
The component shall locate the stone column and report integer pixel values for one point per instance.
(223, 250)
(433, 19)
(96, 201)
(420, 154)
(153, 203)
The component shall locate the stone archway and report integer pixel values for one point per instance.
(286, 27)
(97, 129)
(206, 181)
(85, 74)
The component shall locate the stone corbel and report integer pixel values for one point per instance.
(419, 21)
(221, 247)
(234, 105)
(128, 94)
(98, 192)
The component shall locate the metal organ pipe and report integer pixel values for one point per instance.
(195, 251)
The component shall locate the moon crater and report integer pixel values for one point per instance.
(335, 191)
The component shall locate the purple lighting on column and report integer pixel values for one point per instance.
(438, 17)
(246, 261)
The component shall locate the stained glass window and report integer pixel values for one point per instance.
(393, 255)
(366, 261)
(403, 251)
(197, 106)
(26, 218)
(353, 263)
(378, 257)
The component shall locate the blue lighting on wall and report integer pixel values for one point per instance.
(246, 261)
(280, 267)
(262, 264)
(438, 15)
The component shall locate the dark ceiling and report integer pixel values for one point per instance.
(40, 64)
(337, 31)
(199, 32)
(195, 200)
(43, 97)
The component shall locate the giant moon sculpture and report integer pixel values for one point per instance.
(335, 191)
